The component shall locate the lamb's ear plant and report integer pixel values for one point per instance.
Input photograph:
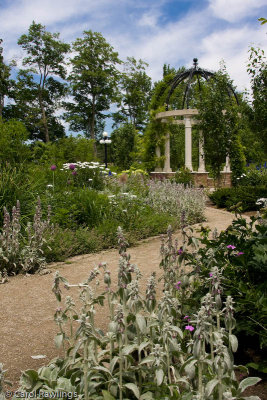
(23, 251)
(152, 348)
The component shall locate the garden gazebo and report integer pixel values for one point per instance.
(185, 116)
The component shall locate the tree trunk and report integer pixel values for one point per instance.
(1, 105)
(93, 128)
(44, 119)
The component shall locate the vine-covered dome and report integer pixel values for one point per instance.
(188, 76)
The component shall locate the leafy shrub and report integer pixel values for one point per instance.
(13, 147)
(16, 184)
(184, 176)
(246, 195)
(68, 149)
(80, 207)
(151, 349)
(240, 253)
(253, 177)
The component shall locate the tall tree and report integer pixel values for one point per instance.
(135, 95)
(4, 79)
(26, 106)
(45, 59)
(257, 68)
(93, 83)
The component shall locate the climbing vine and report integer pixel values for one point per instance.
(220, 123)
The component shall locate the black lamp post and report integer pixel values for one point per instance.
(105, 141)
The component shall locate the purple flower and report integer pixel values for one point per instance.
(186, 316)
(74, 172)
(189, 328)
(230, 246)
(180, 251)
(240, 253)
(210, 274)
(177, 286)
(53, 167)
(72, 166)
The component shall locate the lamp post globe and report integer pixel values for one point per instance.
(105, 141)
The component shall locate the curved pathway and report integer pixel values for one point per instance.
(27, 325)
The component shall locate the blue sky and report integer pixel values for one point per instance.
(157, 31)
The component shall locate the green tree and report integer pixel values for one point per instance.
(13, 147)
(45, 59)
(26, 106)
(123, 141)
(4, 79)
(93, 84)
(220, 124)
(257, 69)
(135, 89)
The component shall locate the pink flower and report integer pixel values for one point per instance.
(240, 253)
(53, 167)
(180, 251)
(74, 172)
(210, 274)
(230, 246)
(72, 166)
(177, 286)
(189, 328)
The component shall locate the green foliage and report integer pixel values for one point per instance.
(16, 184)
(4, 79)
(13, 147)
(135, 93)
(93, 83)
(184, 176)
(45, 57)
(123, 141)
(68, 149)
(240, 252)
(254, 176)
(218, 113)
(257, 68)
(245, 196)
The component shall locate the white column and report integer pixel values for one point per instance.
(158, 154)
(227, 167)
(188, 143)
(167, 166)
(201, 166)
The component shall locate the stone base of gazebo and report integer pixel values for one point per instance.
(201, 179)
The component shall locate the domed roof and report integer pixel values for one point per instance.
(188, 76)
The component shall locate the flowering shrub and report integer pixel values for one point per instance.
(185, 203)
(254, 176)
(240, 253)
(86, 174)
(150, 350)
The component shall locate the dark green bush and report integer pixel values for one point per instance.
(184, 176)
(246, 195)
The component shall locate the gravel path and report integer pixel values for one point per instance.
(27, 326)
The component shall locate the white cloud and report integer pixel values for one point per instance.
(235, 10)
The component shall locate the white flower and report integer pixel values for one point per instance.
(49, 186)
